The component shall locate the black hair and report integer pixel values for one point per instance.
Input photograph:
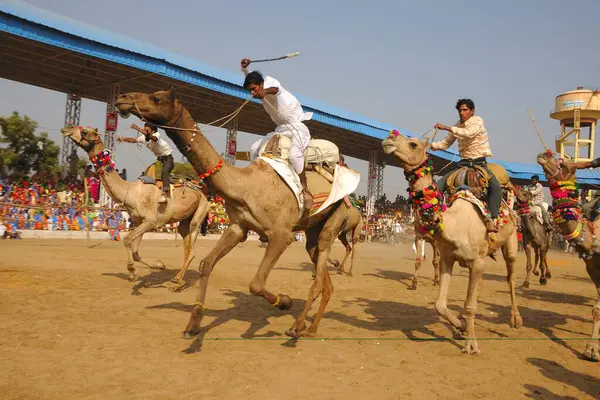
(152, 127)
(536, 177)
(253, 78)
(467, 102)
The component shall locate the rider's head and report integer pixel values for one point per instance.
(465, 108)
(253, 81)
(535, 179)
(150, 128)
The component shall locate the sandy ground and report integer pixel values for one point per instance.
(73, 327)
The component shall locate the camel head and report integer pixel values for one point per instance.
(411, 152)
(554, 168)
(160, 108)
(523, 195)
(85, 137)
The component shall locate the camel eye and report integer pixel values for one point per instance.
(412, 145)
(155, 100)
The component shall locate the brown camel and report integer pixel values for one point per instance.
(420, 239)
(577, 229)
(352, 225)
(534, 235)
(460, 235)
(256, 198)
(188, 206)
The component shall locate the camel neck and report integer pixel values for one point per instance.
(203, 156)
(116, 186)
(426, 198)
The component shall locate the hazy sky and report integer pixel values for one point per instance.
(404, 63)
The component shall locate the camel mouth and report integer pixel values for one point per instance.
(66, 132)
(389, 148)
(124, 109)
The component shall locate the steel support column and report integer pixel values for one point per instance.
(109, 141)
(372, 184)
(72, 117)
(231, 141)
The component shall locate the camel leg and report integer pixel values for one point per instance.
(529, 267)
(322, 283)
(441, 304)
(475, 274)
(436, 264)
(539, 263)
(233, 235)
(591, 352)
(419, 243)
(189, 231)
(545, 259)
(135, 245)
(343, 238)
(278, 242)
(509, 252)
(354, 241)
(129, 240)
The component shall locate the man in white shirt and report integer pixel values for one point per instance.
(286, 112)
(161, 149)
(537, 198)
(473, 148)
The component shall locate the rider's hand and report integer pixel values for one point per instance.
(245, 62)
(119, 139)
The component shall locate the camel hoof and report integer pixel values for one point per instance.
(285, 302)
(471, 349)
(335, 263)
(349, 274)
(536, 272)
(526, 285)
(516, 321)
(159, 265)
(191, 334)
(543, 281)
(591, 353)
(292, 333)
(548, 275)
(179, 285)
(132, 277)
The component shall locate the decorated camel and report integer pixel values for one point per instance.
(459, 231)
(188, 205)
(257, 199)
(578, 230)
(420, 239)
(534, 235)
(352, 225)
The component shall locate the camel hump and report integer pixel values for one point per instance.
(319, 151)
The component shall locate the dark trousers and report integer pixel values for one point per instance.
(167, 167)
(494, 188)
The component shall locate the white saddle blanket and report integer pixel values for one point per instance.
(319, 151)
(345, 182)
(537, 213)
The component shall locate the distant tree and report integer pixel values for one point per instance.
(24, 152)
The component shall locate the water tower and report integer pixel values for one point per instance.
(578, 112)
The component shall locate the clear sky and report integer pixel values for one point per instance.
(403, 63)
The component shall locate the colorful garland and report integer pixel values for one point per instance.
(212, 170)
(430, 205)
(565, 204)
(102, 162)
(523, 208)
(419, 172)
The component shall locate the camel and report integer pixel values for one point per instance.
(353, 225)
(576, 229)
(187, 205)
(534, 235)
(256, 198)
(420, 240)
(460, 235)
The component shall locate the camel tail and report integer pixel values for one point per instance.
(356, 231)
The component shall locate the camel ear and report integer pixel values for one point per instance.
(172, 93)
(427, 144)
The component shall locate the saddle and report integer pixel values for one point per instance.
(320, 156)
(476, 178)
(180, 174)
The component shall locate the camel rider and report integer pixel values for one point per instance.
(161, 149)
(591, 208)
(537, 198)
(473, 148)
(286, 112)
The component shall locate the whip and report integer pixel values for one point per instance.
(536, 129)
(289, 55)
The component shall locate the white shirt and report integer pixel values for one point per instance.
(159, 148)
(2, 229)
(472, 138)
